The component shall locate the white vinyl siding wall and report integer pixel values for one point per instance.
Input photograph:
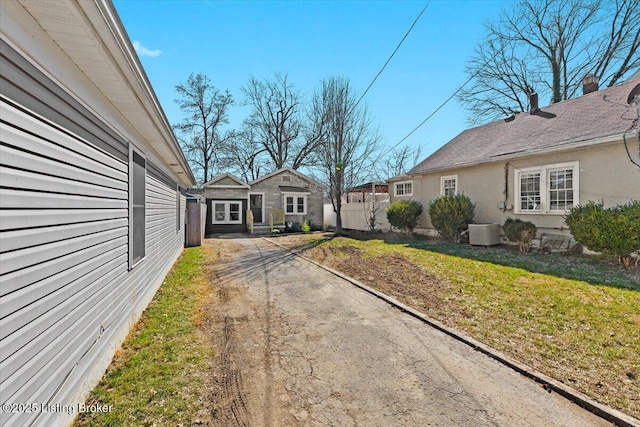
(67, 296)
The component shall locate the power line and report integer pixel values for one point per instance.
(428, 117)
(392, 54)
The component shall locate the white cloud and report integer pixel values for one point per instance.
(143, 51)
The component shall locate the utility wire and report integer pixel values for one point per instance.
(392, 54)
(428, 117)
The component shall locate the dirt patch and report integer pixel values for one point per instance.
(243, 387)
(228, 402)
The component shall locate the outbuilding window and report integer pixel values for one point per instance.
(226, 212)
(547, 189)
(295, 204)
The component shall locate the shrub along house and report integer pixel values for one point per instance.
(283, 196)
(92, 218)
(537, 165)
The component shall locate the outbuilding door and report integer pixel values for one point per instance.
(255, 205)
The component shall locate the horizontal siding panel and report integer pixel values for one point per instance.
(29, 276)
(156, 241)
(17, 138)
(160, 226)
(161, 200)
(96, 281)
(14, 158)
(25, 218)
(93, 291)
(40, 386)
(160, 215)
(21, 199)
(24, 180)
(167, 208)
(19, 239)
(58, 289)
(152, 271)
(80, 146)
(17, 260)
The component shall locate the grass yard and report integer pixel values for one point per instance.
(159, 377)
(575, 318)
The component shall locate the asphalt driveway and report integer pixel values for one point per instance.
(304, 347)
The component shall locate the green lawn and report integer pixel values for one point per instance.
(158, 377)
(572, 317)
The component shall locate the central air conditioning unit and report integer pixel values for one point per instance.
(484, 234)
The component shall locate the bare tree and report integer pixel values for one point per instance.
(548, 47)
(397, 162)
(200, 133)
(275, 121)
(502, 81)
(244, 157)
(347, 139)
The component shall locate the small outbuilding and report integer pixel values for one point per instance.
(284, 196)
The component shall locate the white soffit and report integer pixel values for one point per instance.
(74, 27)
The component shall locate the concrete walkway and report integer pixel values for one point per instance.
(312, 349)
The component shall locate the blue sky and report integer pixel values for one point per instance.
(311, 40)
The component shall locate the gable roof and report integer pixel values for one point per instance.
(592, 118)
(283, 170)
(217, 181)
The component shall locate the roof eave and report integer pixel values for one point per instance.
(529, 153)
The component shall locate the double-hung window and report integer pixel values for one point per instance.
(547, 189)
(449, 185)
(404, 188)
(295, 204)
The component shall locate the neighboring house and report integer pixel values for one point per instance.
(284, 191)
(537, 165)
(92, 186)
(363, 208)
(366, 192)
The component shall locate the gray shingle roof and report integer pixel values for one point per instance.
(596, 115)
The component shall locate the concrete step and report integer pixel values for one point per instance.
(265, 229)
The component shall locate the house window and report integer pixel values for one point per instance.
(178, 223)
(547, 189)
(286, 178)
(449, 185)
(404, 188)
(295, 204)
(226, 212)
(530, 192)
(561, 190)
(137, 184)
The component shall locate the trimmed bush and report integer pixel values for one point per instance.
(520, 232)
(306, 228)
(451, 215)
(612, 231)
(404, 215)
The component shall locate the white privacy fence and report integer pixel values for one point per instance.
(355, 216)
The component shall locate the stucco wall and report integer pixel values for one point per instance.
(605, 173)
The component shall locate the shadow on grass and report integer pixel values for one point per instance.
(593, 270)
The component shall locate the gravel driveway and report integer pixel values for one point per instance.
(304, 347)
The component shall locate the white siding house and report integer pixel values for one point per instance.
(92, 201)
